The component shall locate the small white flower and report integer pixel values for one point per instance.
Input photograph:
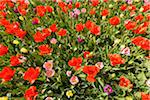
(68, 73)
(121, 15)
(49, 98)
(110, 6)
(148, 82)
(103, 17)
(40, 28)
(141, 9)
(125, 51)
(117, 41)
(100, 65)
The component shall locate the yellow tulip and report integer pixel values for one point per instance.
(104, 17)
(137, 0)
(24, 50)
(21, 18)
(129, 98)
(9, 12)
(16, 42)
(3, 98)
(69, 93)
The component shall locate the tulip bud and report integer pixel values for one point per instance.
(130, 62)
(113, 75)
(103, 17)
(141, 9)
(110, 5)
(24, 50)
(137, 0)
(121, 15)
(122, 46)
(128, 98)
(16, 42)
(117, 41)
(21, 18)
(9, 12)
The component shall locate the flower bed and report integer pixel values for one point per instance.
(77, 50)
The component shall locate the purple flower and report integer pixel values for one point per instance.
(16, 10)
(129, 1)
(72, 14)
(80, 40)
(108, 89)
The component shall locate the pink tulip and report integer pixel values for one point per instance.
(50, 73)
(83, 10)
(74, 80)
(68, 73)
(53, 41)
(48, 65)
(125, 51)
(100, 65)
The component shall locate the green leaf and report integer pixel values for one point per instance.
(141, 77)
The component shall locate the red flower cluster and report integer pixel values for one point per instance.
(132, 8)
(77, 4)
(94, 29)
(3, 4)
(91, 72)
(41, 10)
(64, 6)
(115, 59)
(89, 24)
(3, 14)
(15, 60)
(62, 32)
(3, 50)
(142, 28)
(114, 20)
(46, 32)
(22, 7)
(13, 28)
(92, 11)
(140, 17)
(40, 37)
(87, 54)
(45, 49)
(35, 20)
(123, 7)
(130, 25)
(31, 93)
(145, 96)
(146, 8)
(79, 27)
(31, 74)
(53, 28)
(75, 62)
(124, 82)
(144, 43)
(95, 2)
(6, 74)
(105, 12)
